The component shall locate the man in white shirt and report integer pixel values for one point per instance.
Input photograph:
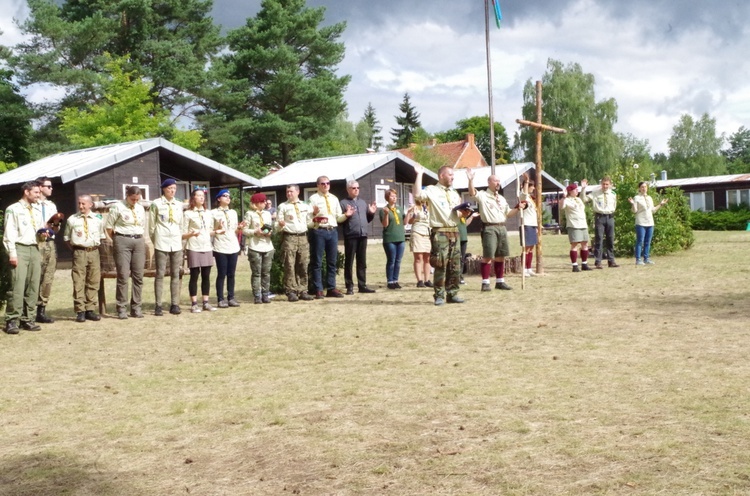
(165, 231)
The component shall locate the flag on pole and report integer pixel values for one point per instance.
(498, 13)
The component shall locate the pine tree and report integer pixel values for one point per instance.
(375, 140)
(277, 88)
(409, 122)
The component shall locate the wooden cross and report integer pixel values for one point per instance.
(539, 128)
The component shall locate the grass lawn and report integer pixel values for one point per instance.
(618, 381)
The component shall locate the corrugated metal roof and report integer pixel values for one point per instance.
(507, 173)
(69, 166)
(345, 167)
(697, 181)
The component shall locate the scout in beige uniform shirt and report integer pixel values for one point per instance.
(258, 228)
(20, 241)
(165, 231)
(83, 233)
(125, 224)
(578, 231)
(292, 218)
(227, 229)
(604, 202)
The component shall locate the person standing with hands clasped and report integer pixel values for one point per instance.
(419, 242)
(394, 238)
(355, 238)
(165, 231)
(197, 229)
(578, 229)
(124, 226)
(226, 248)
(258, 230)
(644, 210)
(327, 214)
(292, 219)
(84, 234)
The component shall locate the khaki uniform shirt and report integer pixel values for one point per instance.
(493, 209)
(198, 220)
(227, 242)
(165, 226)
(296, 216)
(84, 230)
(329, 207)
(575, 213)
(441, 201)
(22, 221)
(254, 221)
(47, 209)
(644, 210)
(125, 220)
(603, 202)
(421, 223)
(529, 213)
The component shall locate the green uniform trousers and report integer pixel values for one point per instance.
(22, 298)
(445, 257)
(86, 274)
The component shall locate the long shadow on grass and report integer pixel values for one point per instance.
(47, 474)
(722, 306)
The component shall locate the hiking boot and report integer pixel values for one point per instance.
(585, 266)
(42, 317)
(233, 303)
(304, 296)
(319, 295)
(223, 304)
(81, 317)
(158, 311)
(612, 265)
(486, 286)
(292, 297)
(439, 301)
(576, 269)
(11, 327)
(30, 326)
(257, 300)
(265, 298)
(90, 315)
(334, 293)
(175, 310)
(122, 315)
(502, 285)
(455, 299)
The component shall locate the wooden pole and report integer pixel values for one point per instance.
(489, 84)
(539, 181)
(539, 128)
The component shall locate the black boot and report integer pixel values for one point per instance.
(41, 317)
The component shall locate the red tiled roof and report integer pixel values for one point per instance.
(453, 152)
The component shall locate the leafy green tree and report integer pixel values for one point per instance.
(408, 121)
(590, 147)
(695, 149)
(372, 128)
(277, 87)
(170, 42)
(738, 153)
(634, 150)
(479, 126)
(15, 118)
(126, 112)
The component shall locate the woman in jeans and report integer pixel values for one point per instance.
(644, 210)
(197, 229)
(226, 248)
(394, 238)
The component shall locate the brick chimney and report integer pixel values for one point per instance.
(470, 139)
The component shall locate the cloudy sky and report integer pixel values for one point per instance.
(659, 59)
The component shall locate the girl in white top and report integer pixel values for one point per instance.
(644, 209)
(258, 229)
(530, 238)
(578, 230)
(197, 229)
(226, 247)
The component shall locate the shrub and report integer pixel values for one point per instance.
(672, 228)
(734, 219)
